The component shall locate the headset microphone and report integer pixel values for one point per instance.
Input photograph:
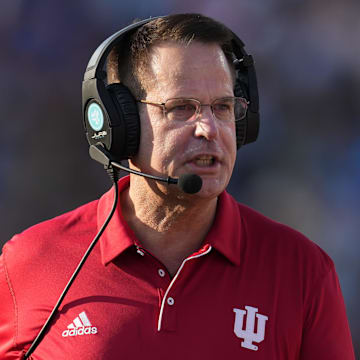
(188, 183)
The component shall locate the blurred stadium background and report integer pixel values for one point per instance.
(303, 171)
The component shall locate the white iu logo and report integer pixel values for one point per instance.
(249, 335)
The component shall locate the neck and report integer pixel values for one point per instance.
(169, 224)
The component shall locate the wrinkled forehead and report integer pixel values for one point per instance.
(181, 63)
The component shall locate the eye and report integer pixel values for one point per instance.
(223, 106)
(180, 109)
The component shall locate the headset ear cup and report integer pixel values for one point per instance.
(247, 129)
(127, 111)
(240, 90)
(252, 127)
(240, 132)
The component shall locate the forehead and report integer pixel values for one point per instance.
(183, 68)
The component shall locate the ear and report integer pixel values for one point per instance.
(112, 71)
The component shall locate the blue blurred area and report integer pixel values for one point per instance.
(304, 170)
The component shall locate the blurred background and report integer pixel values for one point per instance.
(303, 171)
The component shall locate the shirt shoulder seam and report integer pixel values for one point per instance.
(12, 293)
(318, 283)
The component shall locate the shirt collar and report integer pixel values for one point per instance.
(118, 236)
(224, 235)
(226, 232)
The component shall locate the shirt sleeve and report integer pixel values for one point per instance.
(8, 318)
(326, 333)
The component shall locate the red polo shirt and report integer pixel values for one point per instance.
(255, 290)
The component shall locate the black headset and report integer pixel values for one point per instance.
(110, 112)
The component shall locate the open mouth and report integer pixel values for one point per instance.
(205, 161)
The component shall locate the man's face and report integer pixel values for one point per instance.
(206, 147)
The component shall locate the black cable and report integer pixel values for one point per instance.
(41, 334)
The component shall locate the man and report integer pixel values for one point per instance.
(174, 275)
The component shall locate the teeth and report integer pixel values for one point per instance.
(204, 160)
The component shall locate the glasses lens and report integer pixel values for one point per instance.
(230, 109)
(180, 109)
(225, 109)
(240, 108)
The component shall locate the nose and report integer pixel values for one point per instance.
(206, 124)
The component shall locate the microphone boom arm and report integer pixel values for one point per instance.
(100, 154)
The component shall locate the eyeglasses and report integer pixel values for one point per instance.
(227, 109)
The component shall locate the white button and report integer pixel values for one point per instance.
(170, 301)
(161, 272)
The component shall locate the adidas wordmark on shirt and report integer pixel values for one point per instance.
(81, 325)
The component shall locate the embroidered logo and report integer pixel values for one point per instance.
(249, 335)
(81, 325)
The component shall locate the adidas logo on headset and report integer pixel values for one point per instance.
(80, 326)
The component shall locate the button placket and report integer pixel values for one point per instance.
(169, 300)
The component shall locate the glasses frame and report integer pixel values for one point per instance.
(199, 106)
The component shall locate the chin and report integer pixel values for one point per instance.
(211, 188)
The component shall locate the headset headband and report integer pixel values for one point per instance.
(98, 58)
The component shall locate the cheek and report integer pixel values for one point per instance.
(159, 142)
(167, 143)
(229, 140)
